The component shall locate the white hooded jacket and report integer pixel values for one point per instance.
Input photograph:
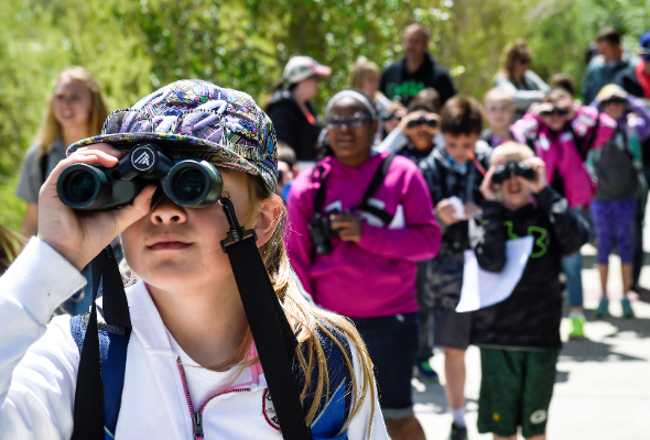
(39, 361)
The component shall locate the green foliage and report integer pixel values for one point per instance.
(135, 46)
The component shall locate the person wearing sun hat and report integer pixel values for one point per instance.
(294, 116)
(193, 368)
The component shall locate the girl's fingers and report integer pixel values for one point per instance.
(140, 207)
(106, 148)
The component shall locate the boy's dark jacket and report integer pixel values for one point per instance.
(530, 317)
(445, 272)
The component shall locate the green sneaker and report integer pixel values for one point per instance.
(576, 329)
(603, 308)
(426, 373)
(458, 432)
(627, 308)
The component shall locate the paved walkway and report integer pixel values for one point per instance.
(602, 390)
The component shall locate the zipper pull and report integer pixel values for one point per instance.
(197, 418)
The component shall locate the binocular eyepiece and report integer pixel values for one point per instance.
(187, 182)
(502, 173)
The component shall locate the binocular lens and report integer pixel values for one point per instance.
(189, 184)
(81, 187)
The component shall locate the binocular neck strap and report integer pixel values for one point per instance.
(272, 333)
(88, 416)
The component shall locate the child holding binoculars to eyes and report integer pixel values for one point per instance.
(519, 337)
(562, 136)
(195, 364)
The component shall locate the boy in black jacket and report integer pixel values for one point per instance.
(454, 169)
(520, 337)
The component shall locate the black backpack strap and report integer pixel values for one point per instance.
(374, 185)
(319, 197)
(113, 344)
(43, 167)
(89, 409)
(377, 179)
(272, 333)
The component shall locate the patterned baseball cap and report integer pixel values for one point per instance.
(197, 119)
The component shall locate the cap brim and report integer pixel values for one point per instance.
(322, 70)
(211, 152)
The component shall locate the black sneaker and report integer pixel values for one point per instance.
(458, 432)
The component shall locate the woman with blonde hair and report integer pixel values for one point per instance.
(514, 76)
(75, 110)
(364, 75)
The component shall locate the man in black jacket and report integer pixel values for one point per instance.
(520, 336)
(402, 80)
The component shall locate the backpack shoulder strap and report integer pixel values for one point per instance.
(43, 167)
(319, 198)
(374, 185)
(113, 343)
(336, 402)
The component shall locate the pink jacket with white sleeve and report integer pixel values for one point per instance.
(560, 151)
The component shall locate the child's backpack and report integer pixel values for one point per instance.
(332, 413)
(614, 169)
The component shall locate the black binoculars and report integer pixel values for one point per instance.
(422, 120)
(187, 182)
(503, 172)
(560, 111)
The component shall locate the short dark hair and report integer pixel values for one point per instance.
(563, 81)
(461, 115)
(609, 34)
(429, 98)
(286, 153)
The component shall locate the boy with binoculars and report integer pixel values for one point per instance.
(519, 337)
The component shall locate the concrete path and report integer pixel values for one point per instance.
(602, 390)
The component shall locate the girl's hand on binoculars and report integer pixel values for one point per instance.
(403, 124)
(490, 191)
(79, 237)
(539, 167)
(349, 226)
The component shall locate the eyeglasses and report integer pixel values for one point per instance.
(560, 111)
(524, 61)
(392, 115)
(336, 122)
(421, 121)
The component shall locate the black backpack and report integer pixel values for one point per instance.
(614, 168)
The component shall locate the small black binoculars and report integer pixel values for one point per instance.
(187, 182)
(421, 121)
(560, 111)
(503, 172)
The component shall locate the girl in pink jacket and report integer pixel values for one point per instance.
(562, 136)
(358, 223)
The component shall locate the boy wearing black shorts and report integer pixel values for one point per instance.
(454, 171)
(520, 336)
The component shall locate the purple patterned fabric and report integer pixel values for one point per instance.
(614, 219)
(197, 119)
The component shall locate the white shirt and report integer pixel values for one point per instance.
(38, 368)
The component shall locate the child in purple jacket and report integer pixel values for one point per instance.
(616, 165)
(358, 223)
